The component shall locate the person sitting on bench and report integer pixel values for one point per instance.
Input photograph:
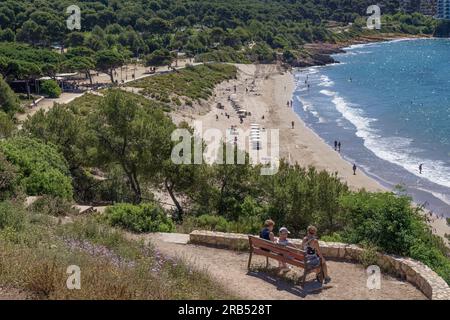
(283, 240)
(267, 232)
(314, 257)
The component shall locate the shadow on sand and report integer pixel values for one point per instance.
(311, 286)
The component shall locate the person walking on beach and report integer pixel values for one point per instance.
(335, 145)
(293, 124)
(339, 146)
(354, 169)
(420, 168)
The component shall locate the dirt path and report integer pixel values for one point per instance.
(229, 268)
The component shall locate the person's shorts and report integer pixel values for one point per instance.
(313, 261)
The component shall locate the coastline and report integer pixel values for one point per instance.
(273, 87)
(438, 224)
(320, 54)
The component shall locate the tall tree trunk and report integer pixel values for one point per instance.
(111, 75)
(180, 210)
(134, 185)
(88, 73)
(28, 90)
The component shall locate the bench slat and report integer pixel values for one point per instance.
(278, 257)
(285, 250)
(281, 253)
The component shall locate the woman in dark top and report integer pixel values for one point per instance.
(314, 257)
(267, 232)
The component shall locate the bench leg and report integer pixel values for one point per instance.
(322, 274)
(267, 262)
(249, 260)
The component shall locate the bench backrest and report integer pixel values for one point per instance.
(260, 246)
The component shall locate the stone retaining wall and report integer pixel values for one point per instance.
(415, 272)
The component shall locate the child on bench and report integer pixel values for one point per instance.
(283, 240)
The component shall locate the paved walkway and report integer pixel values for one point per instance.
(229, 268)
(125, 75)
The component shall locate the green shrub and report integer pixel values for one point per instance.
(247, 225)
(146, 217)
(53, 206)
(42, 169)
(8, 178)
(214, 223)
(382, 219)
(6, 125)
(51, 89)
(51, 181)
(392, 224)
(334, 237)
(369, 256)
(11, 216)
(9, 103)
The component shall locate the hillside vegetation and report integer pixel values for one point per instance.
(115, 148)
(126, 142)
(190, 84)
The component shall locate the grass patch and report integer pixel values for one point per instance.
(189, 84)
(35, 256)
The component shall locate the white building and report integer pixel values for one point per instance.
(443, 9)
(428, 7)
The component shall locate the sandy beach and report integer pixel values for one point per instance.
(269, 89)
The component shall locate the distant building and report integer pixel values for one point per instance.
(443, 9)
(409, 6)
(405, 6)
(428, 7)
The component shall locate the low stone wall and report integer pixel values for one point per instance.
(415, 272)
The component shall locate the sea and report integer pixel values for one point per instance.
(388, 103)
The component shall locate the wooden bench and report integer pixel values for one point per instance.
(286, 254)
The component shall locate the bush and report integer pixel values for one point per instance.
(53, 206)
(42, 169)
(11, 216)
(8, 179)
(369, 256)
(382, 219)
(146, 217)
(247, 225)
(389, 222)
(9, 103)
(6, 125)
(51, 89)
(214, 223)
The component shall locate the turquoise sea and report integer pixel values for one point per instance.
(389, 105)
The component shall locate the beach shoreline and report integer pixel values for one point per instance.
(264, 90)
(273, 88)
